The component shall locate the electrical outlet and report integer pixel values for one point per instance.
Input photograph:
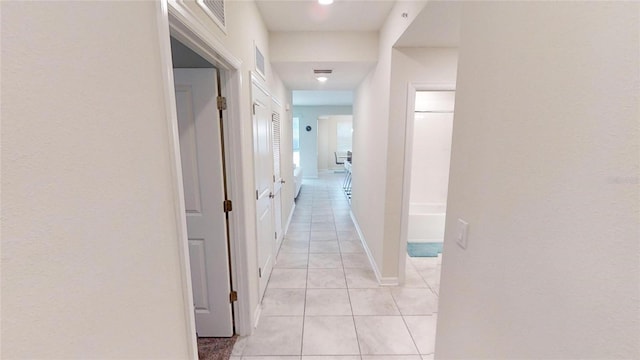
(462, 233)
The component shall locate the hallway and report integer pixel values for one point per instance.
(323, 298)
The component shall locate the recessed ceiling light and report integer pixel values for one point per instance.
(322, 79)
(325, 2)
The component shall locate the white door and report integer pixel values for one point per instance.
(201, 155)
(263, 164)
(277, 178)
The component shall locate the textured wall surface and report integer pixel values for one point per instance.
(90, 264)
(545, 166)
(371, 124)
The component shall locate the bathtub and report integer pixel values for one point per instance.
(426, 222)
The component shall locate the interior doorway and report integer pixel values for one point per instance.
(429, 129)
(183, 27)
(204, 182)
(334, 142)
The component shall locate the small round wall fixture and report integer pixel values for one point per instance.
(308, 128)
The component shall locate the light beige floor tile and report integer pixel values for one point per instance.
(299, 227)
(359, 261)
(326, 279)
(413, 279)
(342, 215)
(384, 335)
(423, 331)
(276, 335)
(288, 279)
(325, 261)
(345, 227)
(238, 347)
(373, 302)
(323, 235)
(324, 247)
(327, 302)
(281, 357)
(429, 274)
(421, 263)
(329, 335)
(297, 235)
(360, 278)
(292, 261)
(294, 247)
(391, 357)
(329, 357)
(415, 301)
(326, 226)
(301, 220)
(348, 235)
(322, 219)
(353, 247)
(279, 302)
(428, 357)
(435, 288)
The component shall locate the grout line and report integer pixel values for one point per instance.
(353, 317)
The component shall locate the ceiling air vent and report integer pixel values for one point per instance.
(215, 10)
(322, 72)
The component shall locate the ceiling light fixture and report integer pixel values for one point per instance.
(322, 79)
(325, 2)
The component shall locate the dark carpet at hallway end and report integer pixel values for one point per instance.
(215, 348)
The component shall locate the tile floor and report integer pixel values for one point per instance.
(323, 300)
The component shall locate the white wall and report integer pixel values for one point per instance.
(309, 115)
(90, 263)
(545, 166)
(370, 139)
(328, 140)
(430, 157)
(379, 137)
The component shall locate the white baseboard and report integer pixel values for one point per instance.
(382, 281)
(286, 227)
(256, 315)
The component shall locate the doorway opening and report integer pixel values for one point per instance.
(429, 130)
(322, 130)
(175, 23)
(202, 147)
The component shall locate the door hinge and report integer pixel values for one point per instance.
(254, 108)
(228, 206)
(274, 178)
(275, 235)
(222, 103)
(259, 272)
(256, 194)
(233, 296)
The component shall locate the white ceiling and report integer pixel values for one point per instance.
(319, 98)
(345, 76)
(438, 25)
(308, 15)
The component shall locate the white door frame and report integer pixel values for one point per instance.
(177, 20)
(412, 88)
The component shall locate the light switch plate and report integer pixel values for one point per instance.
(462, 233)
